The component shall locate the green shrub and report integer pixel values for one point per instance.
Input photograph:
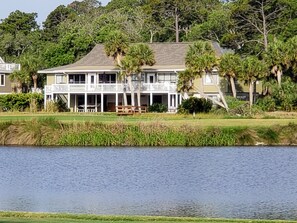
(21, 101)
(158, 107)
(282, 97)
(237, 107)
(195, 105)
(267, 103)
(51, 107)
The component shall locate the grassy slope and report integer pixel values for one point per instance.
(202, 120)
(20, 217)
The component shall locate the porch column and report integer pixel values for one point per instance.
(96, 103)
(86, 102)
(75, 103)
(168, 101)
(176, 100)
(68, 102)
(151, 98)
(102, 102)
(117, 100)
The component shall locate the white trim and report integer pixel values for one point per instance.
(92, 71)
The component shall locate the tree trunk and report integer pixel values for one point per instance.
(233, 87)
(124, 92)
(279, 74)
(19, 87)
(34, 77)
(119, 61)
(185, 95)
(129, 78)
(139, 92)
(220, 93)
(151, 36)
(211, 99)
(265, 33)
(176, 25)
(251, 93)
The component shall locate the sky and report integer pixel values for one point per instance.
(42, 7)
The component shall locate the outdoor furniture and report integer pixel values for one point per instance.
(130, 110)
(90, 108)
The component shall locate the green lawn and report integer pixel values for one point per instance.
(168, 119)
(20, 217)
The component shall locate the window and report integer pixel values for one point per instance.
(2, 79)
(210, 79)
(77, 78)
(60, 79)
(107, 78)
(167, 77)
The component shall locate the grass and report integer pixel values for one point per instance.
(81, 129)
(202, 120)
(22, 217)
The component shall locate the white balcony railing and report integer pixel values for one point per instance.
(108, 88)
(10, 67)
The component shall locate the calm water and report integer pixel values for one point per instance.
(206, 182)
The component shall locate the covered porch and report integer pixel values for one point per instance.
(86, 102)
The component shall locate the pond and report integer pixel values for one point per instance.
(227, 182)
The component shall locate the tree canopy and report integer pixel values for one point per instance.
(255, 30)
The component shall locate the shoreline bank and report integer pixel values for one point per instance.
(51, 132)
(28, 217)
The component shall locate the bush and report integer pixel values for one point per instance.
(21, 101)
(238, 107)
(158, 107)
(267, 103)
(195, 105)
(280, 98)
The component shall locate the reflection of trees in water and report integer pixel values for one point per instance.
(261, 210)
(284, 211)
(187, 209)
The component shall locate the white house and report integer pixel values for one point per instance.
(92, 84)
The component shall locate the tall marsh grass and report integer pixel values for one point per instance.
(51, 132)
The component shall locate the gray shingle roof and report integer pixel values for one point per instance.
(168, 56)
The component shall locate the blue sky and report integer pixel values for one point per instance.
(42, 7)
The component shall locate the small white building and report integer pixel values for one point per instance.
(5, 70)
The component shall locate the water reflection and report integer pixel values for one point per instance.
(204, 182)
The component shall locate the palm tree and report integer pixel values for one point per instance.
(291, 53)
(252, 69)
(201, 59)
(276, 57)
(30, 65)
(143, 55)
(130, 66)
(116, 46)
(20, 77)
(228, 68)
(185, 82)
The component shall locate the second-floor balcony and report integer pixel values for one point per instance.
(9, 67)
(109, 88)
